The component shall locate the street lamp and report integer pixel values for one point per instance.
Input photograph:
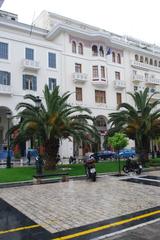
(8, 116)
(38, 158)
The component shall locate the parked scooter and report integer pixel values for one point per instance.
(132, 166)
(90, 168)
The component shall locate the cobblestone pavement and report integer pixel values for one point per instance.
(60, 206)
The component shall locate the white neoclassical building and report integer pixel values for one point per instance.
(98, 66)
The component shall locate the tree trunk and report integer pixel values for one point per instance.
(51, 152)
(143, 150)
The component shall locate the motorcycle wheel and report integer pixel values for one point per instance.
(125, 169)
(94, 177)
(138, 171)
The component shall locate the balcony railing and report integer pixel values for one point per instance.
(137, 78)
(79, 77)
(5, 89)
(145, 66)
(100, 82)
(119, 84)
(30, 64)
(151, 80)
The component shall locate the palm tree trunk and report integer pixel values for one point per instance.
(143, 150)
(51, 152)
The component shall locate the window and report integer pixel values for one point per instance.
(136, 57)
(113, 57)
(103, 72)
(51, 60)
(135, 88)
(151, 61)
(94, 50)
(78, 94)
(78, 68)
(29, 54)
(52, 83)
(5, 78)
(101, 51)
(100, 122)
(141, 59)
(29, 82)
(119, 98)
(146, 60)
(134, 72)
(100, 96)
(159, 64)
(146, 75)
(95, 71)
(119, 58)
(73, 47)
(117, 76)
(80, 48)
(3, 50)
(155, 63)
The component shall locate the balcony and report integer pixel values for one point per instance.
(5, 89)
(100, 82)
(119, 84)
(137, 78)
(152, 81)
(144, 66)
(154, 97)
(30, 64)
(79, 77)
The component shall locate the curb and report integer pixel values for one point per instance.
(74, 178)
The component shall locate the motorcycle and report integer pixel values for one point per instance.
(132, 166)
(90, 169)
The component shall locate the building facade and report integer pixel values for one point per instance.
(97, 66)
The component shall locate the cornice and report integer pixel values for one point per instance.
(22, 27)
(108, 38)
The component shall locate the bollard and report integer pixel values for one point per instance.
(21, 162)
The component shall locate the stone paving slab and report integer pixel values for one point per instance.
(62, 206)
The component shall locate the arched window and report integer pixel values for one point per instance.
(94, 50)
(113, 57)
(101, 51)
(80, 48)
(73, 47)
(100, 122)
(155, 63)
(151, 61)
(119, 58)
(146, 60)
(141, 59)
(136, 57)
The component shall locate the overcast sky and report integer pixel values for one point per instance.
(137, 18)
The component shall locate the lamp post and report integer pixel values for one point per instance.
(38, 158)
(8, 116)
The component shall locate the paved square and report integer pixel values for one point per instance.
(61, 206)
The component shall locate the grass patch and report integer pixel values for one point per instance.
(26, 173)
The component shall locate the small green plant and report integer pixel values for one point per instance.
(118, 141)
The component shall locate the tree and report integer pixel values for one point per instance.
(139, 121)
(54, 121)
(118, 141)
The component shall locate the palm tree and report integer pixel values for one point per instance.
(141, 123)
(54, 121)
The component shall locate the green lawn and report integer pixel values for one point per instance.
(26, 173)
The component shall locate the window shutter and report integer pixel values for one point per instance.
(24, 82)
(34, 83)
(9, 79)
